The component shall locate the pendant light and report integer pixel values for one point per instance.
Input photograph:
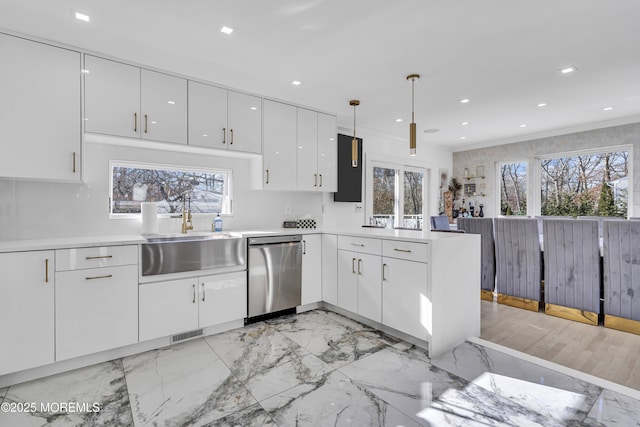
(412, 126)
(354, 142)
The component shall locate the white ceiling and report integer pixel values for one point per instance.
(503, 55)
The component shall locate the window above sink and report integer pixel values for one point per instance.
(207, 191)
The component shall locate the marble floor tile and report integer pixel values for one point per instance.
(253, 416)
(614, 409)
(330, 340)
(254, 349)
(477, 406)
(103, 384)
(403, 378)
(470, 361)
(332, 400)
(183, 384)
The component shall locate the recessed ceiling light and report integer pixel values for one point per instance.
(226, 30)
(464, 100)
(254, 108)
(431, 130)
(463, 137)
(464, 123)
(607, 109)
(542, 104)
(296, 83)
(171, 102)
(524, 125)
(205, 135)
(82, 17)
(398, 120)
(568, 70)
(85, 71)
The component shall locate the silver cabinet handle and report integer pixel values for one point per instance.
(401, 250)
(135, 122)
(46, 270)
(99, 257)
(353, 265)
(357, 244)
(315, 179)
(359, 265)
(304, 247)
(203, 292)
(384, 266)
(146, 123)
(108, 276)
(194, 294)
(224, 135)
(231, 131)
(74, 162)
(320, 180)
(267, 176)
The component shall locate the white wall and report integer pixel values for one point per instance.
(628, 135)
(30, 209)
(432, 157)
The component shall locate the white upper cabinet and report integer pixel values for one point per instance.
(317, 151)
(163, 102)
(124, 100)
(223, 119)
(307, 151)
(279, 150)
(112, 97)
(40, 113)
(327, 153)
(244, 119)
(207, 116)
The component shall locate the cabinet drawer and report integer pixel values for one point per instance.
(101, 256)
(364, 245)
(410, 251)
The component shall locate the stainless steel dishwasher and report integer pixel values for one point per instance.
(275, 274)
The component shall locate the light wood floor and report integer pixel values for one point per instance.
(595, 350)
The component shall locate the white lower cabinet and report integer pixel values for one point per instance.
(405, 302)
(26, 310)
(330, 268)
(311, 269)
(359, 284)
(96, 310)
(175, 306)
(223, 298)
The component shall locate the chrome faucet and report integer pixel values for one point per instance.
(187, 223)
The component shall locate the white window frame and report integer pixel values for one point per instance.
(400, 168)
(227, 196)
(497, 184)
(538, 159)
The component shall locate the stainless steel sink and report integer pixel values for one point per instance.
(166, 254)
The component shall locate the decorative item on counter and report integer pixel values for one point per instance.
(481, 213)
(149, 211)
(471, 209)
(306, 223)
(290, 224)
(217, 223)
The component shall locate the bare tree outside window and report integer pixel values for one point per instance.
(513, 188)
(207, 191)
(384, 194)
(585, 185)
(398, 193)
(413, 189)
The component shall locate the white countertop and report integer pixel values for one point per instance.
(131, 239)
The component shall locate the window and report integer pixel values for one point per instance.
(585, 185)
(513, 188)
(131, 184)
(395, 195)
